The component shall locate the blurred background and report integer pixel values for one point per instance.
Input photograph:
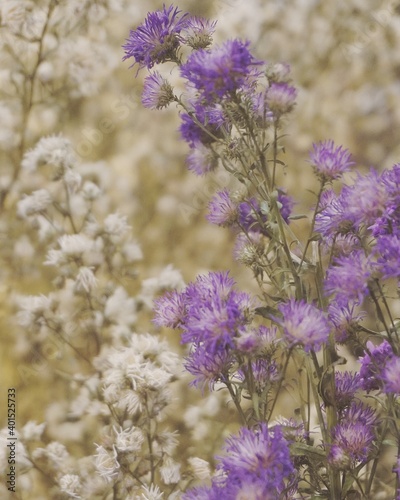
(345, 61)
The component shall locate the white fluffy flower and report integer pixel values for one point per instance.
(200, 468)
(120, 308)
(35, 203)
(129, 440)
(53, 150)
(55, 452)
(73, 180)
(132, 252)
(85, 280)
(170, 471)
(32, 307)
(106, 463)
(71, 485)
(116, 225)
(151, 492)
(90, 191)
(32, 431)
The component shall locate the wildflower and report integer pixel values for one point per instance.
(303, 324)
(248, 249)
(345, 320)
(373, 363)
(53, 150)
(200, 468)
(366, 199)
(346, 385)
(204, 125)
(157, 39)
(391, 376)
(207, 368)
(71, 485)
(264, 373)
(106, 463)
(170, 471)
(85, 280)
(332, 217)
(280, 98)
(170, 310)
(351, 444)
(216, 312)
(35, 203)
(129, 440)
(348, 278)
(220, 71)
(202, 160)
(198, 32)
(32, 431)
(151, 492)
(285, 204)
(157, 92)
(258, 455)
(330, 162)
(223, 211)
(387, 250)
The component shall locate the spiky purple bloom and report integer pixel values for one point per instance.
(260, 454)
(201, 160)
(264, 372)
(280, 98)
(216, 312)
(303, 324)
(330, 161)
(204, 126)
(391, 376)
(157, 39)
(349, 277)
(207, 368)
(373, 363)
(157, 92)
(170, 310)
(347, 384)
(198, 32)
(345, 320)
(220, 71)
(360, 413)
(352, 443)
(366, 200)
(387, 250)
(223, 211)
(250, 216)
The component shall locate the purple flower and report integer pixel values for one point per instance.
(303, 324)
(157, 40)
(255, 455)
(170, 310)
(373, 363)
(222, 210)
(351, 444)
(157, 92)
(204, 125)
(329, 161)
(391, 376)
(387, 250)
(248, 249)
(202, 160)
(366, 199)
(280, 98)
(333, 217)
(198, 32)
(264, 372)
(360, 413)
(207, 368)
(216, 312)
(347, 384)
(285, 204)
(220, 71)
(344, 319)
(348, 278)
(250, 216)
